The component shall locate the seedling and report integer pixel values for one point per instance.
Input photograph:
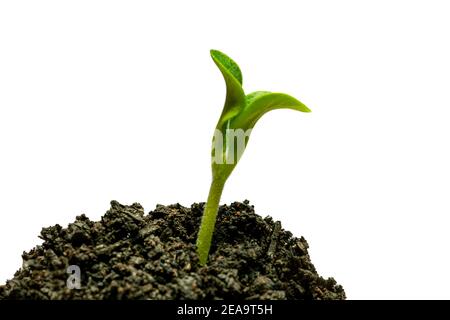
(239, 116)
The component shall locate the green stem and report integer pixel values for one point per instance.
(209, 220)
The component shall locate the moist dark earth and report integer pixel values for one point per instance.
(131, 255)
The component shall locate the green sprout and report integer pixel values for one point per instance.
(239, 116)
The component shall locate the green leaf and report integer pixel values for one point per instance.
(260, 102)
(235, 97)
(227, 63)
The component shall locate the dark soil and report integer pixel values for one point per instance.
(130, 255)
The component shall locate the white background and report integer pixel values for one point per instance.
(103, 100)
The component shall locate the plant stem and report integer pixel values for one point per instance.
(209, 220)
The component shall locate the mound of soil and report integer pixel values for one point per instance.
(130, 255)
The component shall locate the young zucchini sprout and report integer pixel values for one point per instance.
(239, 116)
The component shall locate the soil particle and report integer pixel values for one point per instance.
(130, 255)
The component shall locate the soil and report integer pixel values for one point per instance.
(130, 255)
